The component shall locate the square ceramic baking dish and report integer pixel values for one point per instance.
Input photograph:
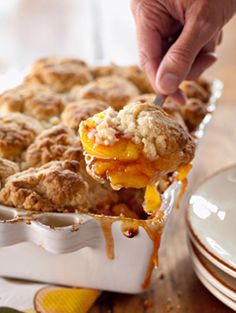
(100, 252)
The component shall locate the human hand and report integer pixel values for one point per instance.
(177, 38)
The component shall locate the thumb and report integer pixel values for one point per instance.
(180, 57)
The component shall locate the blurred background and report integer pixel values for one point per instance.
(97, 30)
(91, 29)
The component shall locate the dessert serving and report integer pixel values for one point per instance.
(135, 147)
(86, 144)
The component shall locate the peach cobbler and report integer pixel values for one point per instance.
(59, 73)
(80, 110)
(55, 186)
(17, 132)
(133, 73)
(81, 138)
(56, 143)
(134, 147)
(35, 100)
(114, 89)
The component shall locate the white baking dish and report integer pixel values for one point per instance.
(79, 251)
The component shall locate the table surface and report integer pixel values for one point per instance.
(176, 288)
(23, 29)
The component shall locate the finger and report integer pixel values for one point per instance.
(178, 97)
(220, 38)
(202, 62)
(211, 45)
(149, 43)
(179, 59)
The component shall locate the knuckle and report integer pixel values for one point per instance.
(179, 57)
(207, 20)
(141, 8)
(143, 58)
(146, 61)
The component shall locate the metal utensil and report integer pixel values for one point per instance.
(159, 100)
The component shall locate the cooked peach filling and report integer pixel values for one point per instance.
(124, 165)
(152, 199)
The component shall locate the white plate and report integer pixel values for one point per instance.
(211, 258)
(217, 278)
(219, 295)
(211, 218)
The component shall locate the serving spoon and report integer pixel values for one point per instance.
(159, 100)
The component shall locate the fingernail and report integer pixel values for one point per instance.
(212, 55)
(168, 83)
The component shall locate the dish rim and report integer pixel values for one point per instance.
(189, 224)
(194, 250)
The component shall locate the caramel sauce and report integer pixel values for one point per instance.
(130, 229)
(154, 234)
(182, 176)
(181, 192)
(107, 232)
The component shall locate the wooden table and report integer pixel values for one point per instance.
(176, 288)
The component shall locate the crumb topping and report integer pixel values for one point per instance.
(17, 131)
(56, 143)
(142, 123)
(56, 186)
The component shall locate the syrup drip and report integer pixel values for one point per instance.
(107, 231)
(130, 229)
(155, 235)
(182, 176)
(181, 192)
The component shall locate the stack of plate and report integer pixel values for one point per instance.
(211, 220)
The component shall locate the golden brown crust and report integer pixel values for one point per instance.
(80, 110)
(188, 115)
(205, 84)
(17, 131)
(193, 89)
(150, 97)
(137, 76)
(59, 73)
(34, 100)
(56, 186)
(131, 72)
(146, 124)
(160, 135)
(13, 100)
(115, 90)
(174, 111)
(56, 143)
(44, 107)
(102, 70)
(7, 168)
(194, 112)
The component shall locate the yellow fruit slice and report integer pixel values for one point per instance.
(61, 300)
